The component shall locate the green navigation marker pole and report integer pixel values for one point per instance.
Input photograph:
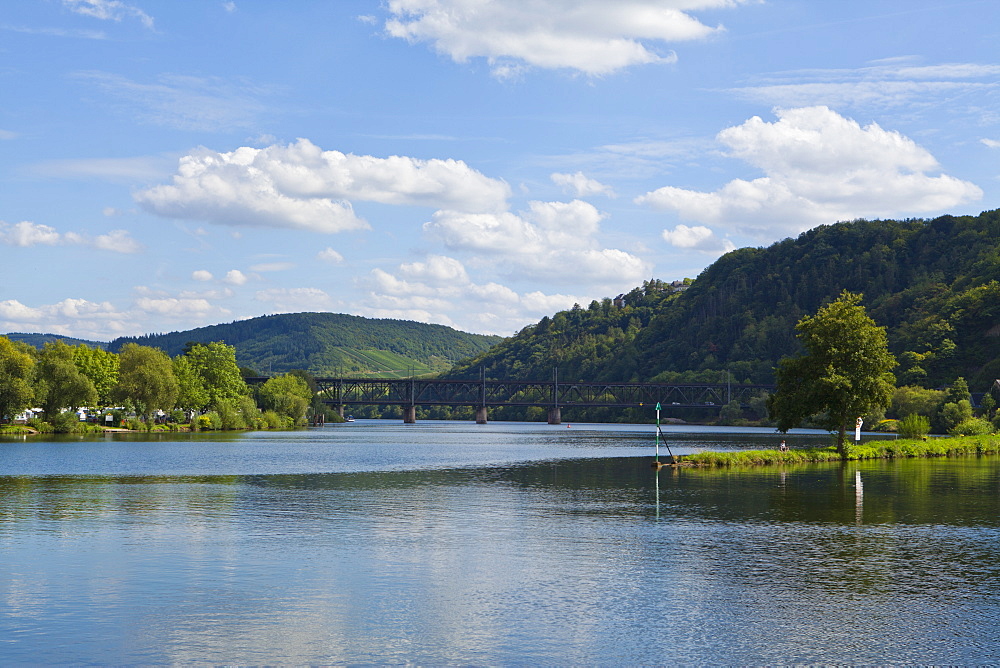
(656, 463)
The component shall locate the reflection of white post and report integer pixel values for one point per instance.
(657, 493)
(859, 497)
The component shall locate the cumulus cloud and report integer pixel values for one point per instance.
(698, 237)
(440, 290)
(235, 277)
(819, 167)
(594, 37)
(202, 275)
(28, 233)
(330, 255)
(109, 10)
(69, 317)
(580, 186)
(557, 241)
(301, 186)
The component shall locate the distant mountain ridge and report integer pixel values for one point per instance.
(38, 340)
(327, 344)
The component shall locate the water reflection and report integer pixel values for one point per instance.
(567, 561)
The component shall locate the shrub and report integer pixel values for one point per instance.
(66, 423)
(914, 426)
(972, 427)
(209, 420)
(272, 420)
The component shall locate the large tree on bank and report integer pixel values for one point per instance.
(844, 373)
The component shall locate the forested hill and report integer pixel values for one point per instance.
(39, 340)
(330, 344)
(933, 284)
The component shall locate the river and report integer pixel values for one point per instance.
(510, 543)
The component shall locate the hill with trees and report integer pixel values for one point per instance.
(935, 285)
(326, 344)
(37, 340)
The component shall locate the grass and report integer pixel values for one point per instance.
(888, 449)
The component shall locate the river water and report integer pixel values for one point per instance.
(509, 543)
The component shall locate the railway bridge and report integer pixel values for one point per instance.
(409, 393)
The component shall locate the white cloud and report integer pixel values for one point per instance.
(580, 186)
(27, 233)
(69, 317)
(990, 143)
(440, 290)
(202, 275)
(235, 277)
(819, 168)
(301, 186)
(229, 6)
(556, 241)
(294, 300)
(330, 255)
(117, 241)
(109, 10)
(6, 135)
(698, 237)
(595, 37)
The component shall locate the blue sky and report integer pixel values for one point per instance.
(476, 163)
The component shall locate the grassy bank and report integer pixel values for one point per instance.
(889, 449)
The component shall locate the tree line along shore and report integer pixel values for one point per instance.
(142, 388)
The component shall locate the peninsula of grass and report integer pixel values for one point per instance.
(954, 446)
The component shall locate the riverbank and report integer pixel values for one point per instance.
(952, 446)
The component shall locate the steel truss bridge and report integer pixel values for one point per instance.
(554, 395)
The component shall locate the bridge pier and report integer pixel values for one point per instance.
(481, 415)
(555, 415)
(409, 414)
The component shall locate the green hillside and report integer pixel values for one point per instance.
(39, 340)
(330, 344)
(933, 284)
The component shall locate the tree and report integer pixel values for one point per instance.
(844, 373)
(59, 382)
(216, 364)
(191, 392)
(146, 377)
(16, 370)
(286, 395)
(100, 366)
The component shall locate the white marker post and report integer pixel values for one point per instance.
(657, 432)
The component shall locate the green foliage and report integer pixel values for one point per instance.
(331, 344)
(16, 375)
(988, 405)
(933, 282)
(100, 366)
(954, 413)
(972, 426)
(843, 374)
(288, 395)
(215, 363)
(146, 378)
(914, 426)
(59, 382)
(888, 449)
(191, 392)
(910, 399)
